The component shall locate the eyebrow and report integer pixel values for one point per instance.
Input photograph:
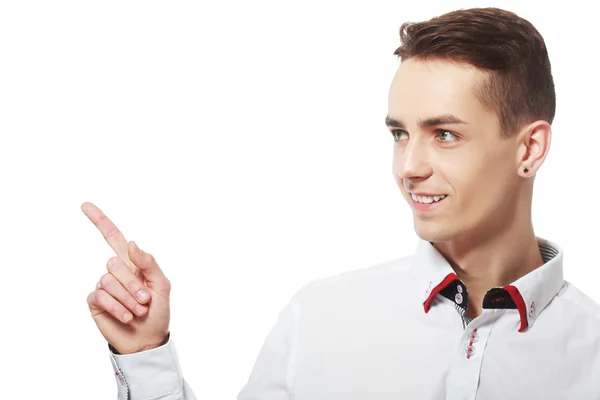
(444, 119)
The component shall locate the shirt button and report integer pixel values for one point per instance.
(470, 350)
(458, 298)
(459, 288)
(474, 337)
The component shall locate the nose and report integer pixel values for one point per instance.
(411, 161)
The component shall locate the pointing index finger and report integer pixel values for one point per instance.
(113, 236)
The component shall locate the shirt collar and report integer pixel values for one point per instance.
(530, 294)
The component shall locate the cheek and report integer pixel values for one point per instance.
(464, 173)
(473, 178)
(482, 190)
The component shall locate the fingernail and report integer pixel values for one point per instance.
(127, 317)
(142, 295)
(140, 309)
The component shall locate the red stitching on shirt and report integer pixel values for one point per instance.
(121, 378)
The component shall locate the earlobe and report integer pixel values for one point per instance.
(534, 146)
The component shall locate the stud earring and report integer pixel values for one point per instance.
(525, 170)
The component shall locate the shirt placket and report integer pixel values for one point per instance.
(463, 380)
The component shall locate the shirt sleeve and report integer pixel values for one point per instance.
(152, 374)
(272, 375)
(156, 374)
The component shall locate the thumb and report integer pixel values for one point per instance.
(147, 265)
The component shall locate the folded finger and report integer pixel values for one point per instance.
(132, 283)
(113, 287)
(101, 300)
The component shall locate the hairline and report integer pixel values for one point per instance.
(482, 88)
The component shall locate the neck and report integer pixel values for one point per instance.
(485, 261)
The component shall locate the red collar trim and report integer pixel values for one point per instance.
(451, 277)
(512, 291)
(520, 303)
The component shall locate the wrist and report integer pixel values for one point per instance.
(123, 352)
(154, 346)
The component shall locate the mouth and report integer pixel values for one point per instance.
(427, 199)
(426, 202)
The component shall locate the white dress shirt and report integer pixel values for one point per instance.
(397, 330)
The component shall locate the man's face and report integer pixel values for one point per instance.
(436, 154)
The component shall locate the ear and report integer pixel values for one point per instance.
(533, 144)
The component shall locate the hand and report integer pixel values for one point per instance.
(129, 323)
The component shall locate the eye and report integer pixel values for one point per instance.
(446, 136)
(398, 134)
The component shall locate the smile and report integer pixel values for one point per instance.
(427, 199)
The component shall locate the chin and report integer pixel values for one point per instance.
(432, 231)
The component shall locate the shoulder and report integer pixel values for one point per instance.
(378, 275)
(577, 301)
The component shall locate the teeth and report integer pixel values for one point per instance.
(427, 199)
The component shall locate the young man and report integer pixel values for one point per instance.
(480, 311)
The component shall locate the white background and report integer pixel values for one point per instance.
(243, 144)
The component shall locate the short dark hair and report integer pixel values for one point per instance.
(518, 86)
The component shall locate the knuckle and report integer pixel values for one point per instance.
(111, 232)
(105, 301)
(98, 299)
(106, 280)
(112, 264)
(115, 308)
(91, 298)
